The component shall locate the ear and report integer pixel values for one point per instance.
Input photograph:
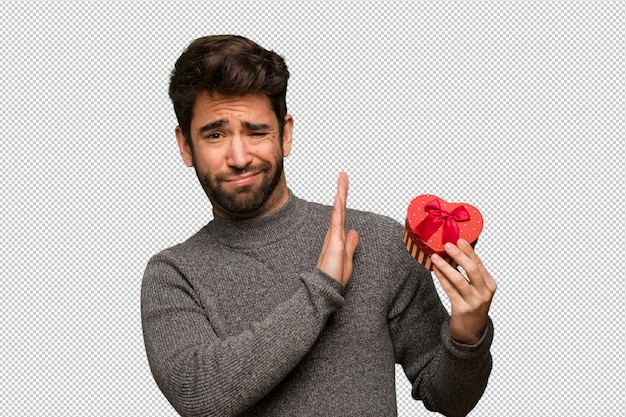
(185, 150)
(287, 135)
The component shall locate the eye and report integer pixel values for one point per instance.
(214, 135)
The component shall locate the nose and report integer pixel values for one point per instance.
(238, 153)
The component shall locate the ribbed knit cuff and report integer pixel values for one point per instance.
(321, 284)
(464, 351)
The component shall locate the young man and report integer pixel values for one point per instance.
(282, 307)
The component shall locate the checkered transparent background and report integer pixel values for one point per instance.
(516, 109)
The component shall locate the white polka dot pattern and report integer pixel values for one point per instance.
(426, 223)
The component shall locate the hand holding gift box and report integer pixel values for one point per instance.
(431, 222)
(440, 235)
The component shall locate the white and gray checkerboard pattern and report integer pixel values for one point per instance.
(517, 109)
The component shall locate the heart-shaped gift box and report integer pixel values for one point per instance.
(431, 222)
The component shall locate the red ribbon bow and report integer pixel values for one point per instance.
(436, 217)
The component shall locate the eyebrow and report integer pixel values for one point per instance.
(212, 125)
(255, 126)
(221, 122)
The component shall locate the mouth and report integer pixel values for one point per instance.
(241, 180)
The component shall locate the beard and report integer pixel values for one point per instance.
(249, 198)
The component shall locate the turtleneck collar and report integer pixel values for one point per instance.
(261, 230)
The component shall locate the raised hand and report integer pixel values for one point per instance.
(470, 297)
(336, 255)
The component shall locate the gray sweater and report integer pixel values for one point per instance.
(238, 320)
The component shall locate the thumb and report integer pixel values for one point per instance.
(352, 240)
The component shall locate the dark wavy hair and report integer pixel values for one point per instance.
(229, 65)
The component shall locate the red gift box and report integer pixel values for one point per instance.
(431, 222)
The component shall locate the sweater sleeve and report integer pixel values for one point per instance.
(202, 374)
(449, 377)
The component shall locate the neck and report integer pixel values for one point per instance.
(260, 230)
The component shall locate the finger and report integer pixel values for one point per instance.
(475, 269)
(336, 230)
(474, 275)
(451, 274)
(342, 191)
(487, 279)
(451, 291)
(342, 185)
(352, 240)
(467, 249)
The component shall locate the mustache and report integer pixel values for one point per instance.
(236, 172)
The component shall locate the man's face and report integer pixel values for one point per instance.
(237, 154)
